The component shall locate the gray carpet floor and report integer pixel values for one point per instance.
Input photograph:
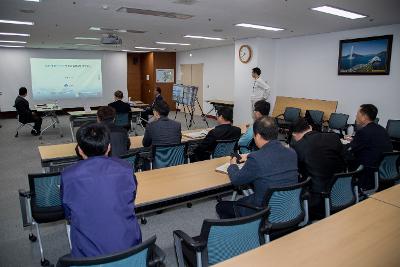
(20, 156)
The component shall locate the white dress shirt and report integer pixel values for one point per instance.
(261, 90)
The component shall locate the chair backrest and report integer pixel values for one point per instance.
(231, 237)
(393, 128)
(341, 192)
(45, 190)
(122, 119)
(137, 256)
(250, 147)
(224, 148)
(389, 166)
(291, 114)
(131, 157)
(286, 205)
(338, 121)
(316, 116)
(169, 155)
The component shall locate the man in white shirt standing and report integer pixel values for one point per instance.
(261, 90)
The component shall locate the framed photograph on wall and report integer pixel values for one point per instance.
(365, 56)
(165, 76)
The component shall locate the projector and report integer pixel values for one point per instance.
(111, 39)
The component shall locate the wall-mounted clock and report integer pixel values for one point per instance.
(245, 53)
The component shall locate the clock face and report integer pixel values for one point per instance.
(245, 53)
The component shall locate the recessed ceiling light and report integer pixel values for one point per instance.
(338, 12)
(12, 46)
(107, 29)
(150, 48)
(14, 42)
(33, 1)
(204, 37)
(87, 38)
(14, 34)
(16, 22)
(134, 51)
(95, 28)
(167, 43)
(260, 27)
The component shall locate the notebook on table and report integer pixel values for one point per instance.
(196, 135)
(224, 168)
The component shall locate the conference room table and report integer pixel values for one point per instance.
(366, 234)
(166, 187)
(390, 196)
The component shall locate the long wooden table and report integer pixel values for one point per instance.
(170, 186)
(390, 196)
(366, 234)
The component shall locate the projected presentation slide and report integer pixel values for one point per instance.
(55, 79)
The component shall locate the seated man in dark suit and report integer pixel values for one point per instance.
(25, 114)
(320, 155)
(149, 111)
(98, 195)
(224, 131)
(162, 131)
(119, 105)
(272, 165)
(368, 144)
(120, 142)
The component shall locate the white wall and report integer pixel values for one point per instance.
(307, 67)
(217, 71)
(263, 56)
(15, 72)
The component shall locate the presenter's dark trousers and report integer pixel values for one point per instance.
(145, 116)
(36, 119)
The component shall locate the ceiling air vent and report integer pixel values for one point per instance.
(171, 15)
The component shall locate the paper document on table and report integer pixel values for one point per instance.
(224, 168)
(196, 135)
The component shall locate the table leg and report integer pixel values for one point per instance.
(71, 126)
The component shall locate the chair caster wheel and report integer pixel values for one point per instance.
(16, 135)
(32, 238)
(143, 220)
(189, 205)
(44, 262)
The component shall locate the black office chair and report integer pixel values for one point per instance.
(133, 158)
(338, 122)
(288, 209)
(224, 148)
(315, 118)
(250, 147)
(286, 120)
(220, 240)
(389, 169)
(145, 254)
(342, 192)
(168, 155)
(44, 204)
(393, 129)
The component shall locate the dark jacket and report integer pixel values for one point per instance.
(162, 132)
(369, 143)
(120, 106)
(272, 166)
(220, 132)
(156, 99)
(98, 195)
(23, 110)
(120, 142)
(320, 155)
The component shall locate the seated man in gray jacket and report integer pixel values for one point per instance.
(162, 131)
(273, 165)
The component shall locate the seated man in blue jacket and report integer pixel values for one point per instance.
(273, 165)
(98, 195)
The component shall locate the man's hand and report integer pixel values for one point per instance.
(244, 157)
(348, 137)
(233, 160)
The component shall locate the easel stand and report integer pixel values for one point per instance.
(189, 110)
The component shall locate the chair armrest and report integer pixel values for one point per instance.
(24, 193)
(197, 245)
(280, 115)
(158, 256)
(306, 196)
